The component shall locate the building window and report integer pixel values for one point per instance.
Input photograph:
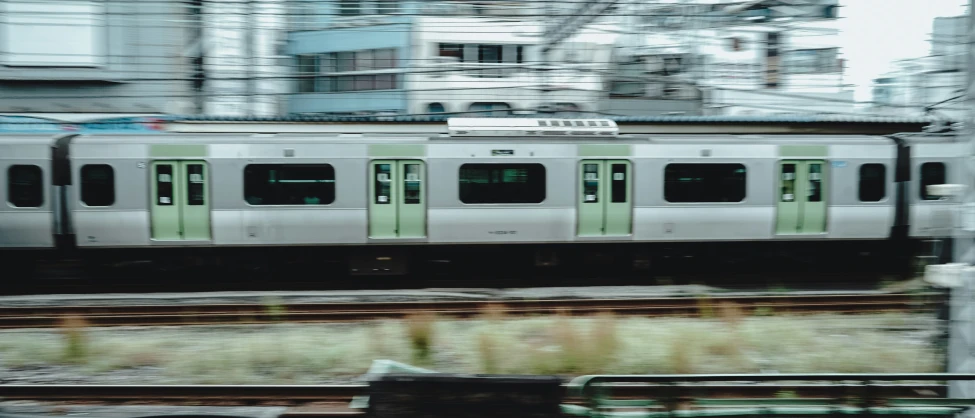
(490, 109)
(435, 108)
(97, 185)
(289, 184)
(452, 51)
(502, 183)
(25, 186)
(873, 182)
(704, 183)
(489, 53)
(385, 7)
(325, 71)
(53, 33)
(349, 8)
(306, 73)
(811, 61)
(932, 173)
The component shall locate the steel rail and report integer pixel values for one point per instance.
(205, 314)
(310, 394)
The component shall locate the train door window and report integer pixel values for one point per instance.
(164, 185)
(502, 183)
(97, 185)
(196, 192)
(411, 184)
(384, 182)
(873, 182)
(815, 178)
(704, 183)
(25, 186)
(932, 173)
(289, 184)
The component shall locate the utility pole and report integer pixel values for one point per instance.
(959, 277)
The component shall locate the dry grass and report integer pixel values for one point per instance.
(495, 343)
(420, 328)
(74, 330)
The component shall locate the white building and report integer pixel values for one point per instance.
(429, 57)
(732, 58)
(912, 85)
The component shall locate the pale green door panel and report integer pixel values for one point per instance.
(382, 199)
(814, 204)
(605, 203)
(591, 209)
(164, 212)
(195, 200)
(619, 202)
(801, 197)
(412, 202)
(788, 206)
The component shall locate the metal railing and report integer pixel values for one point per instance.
(914, 394)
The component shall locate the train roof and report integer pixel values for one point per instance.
(215, 139)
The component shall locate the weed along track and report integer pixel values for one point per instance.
(208, 314)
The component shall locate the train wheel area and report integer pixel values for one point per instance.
(794, 264)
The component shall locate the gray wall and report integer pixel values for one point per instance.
(144, 69)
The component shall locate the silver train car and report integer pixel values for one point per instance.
(562, 190)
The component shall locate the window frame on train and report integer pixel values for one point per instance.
(89, 188)
(534, 192)
(669, 194)
(866, 186)
(924, 181)
(327, 179)
(37, 198)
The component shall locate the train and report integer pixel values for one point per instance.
(491, 194)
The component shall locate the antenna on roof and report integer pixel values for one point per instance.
(475, 127)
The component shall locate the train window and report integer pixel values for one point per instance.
(698, 183)
(289, 184)
(873, 182)
(195, 185)
(932, 173)
(502, 183)
(97, 185)
(164, 185)
(25, 186)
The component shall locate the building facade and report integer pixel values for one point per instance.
(932, 84)
(434, 57)
(74, 56)
(729, 58)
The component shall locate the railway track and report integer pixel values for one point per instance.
(294, 395)
(209, 314)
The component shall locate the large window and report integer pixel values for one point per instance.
(932, 173)
(97, 185)
(307, 70)
(289, 184)
(348, 71)
(873, 182)
(699, 183)
(502, 183)
(811, 61)
(25, 186)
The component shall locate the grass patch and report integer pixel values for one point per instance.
(74, 330)
(420, 328)
(730, 342)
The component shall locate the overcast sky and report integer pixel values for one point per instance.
(875, 33)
